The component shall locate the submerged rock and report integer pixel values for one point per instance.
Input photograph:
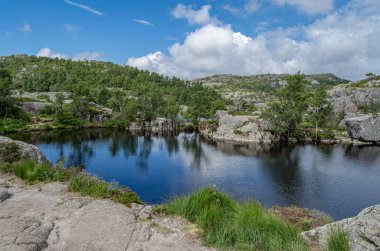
(365, 128)
(13, 150)
(363, 231)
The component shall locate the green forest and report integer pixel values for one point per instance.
(132, 93)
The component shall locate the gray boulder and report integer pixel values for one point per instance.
(13, 150)
(365, 128)
(363, 231)
(3, 194)
(33, 107)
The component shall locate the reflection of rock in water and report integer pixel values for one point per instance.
(245, 149)
(365, 153)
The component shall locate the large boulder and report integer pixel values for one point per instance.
(363, 231)
(13, 150)
(365, 128)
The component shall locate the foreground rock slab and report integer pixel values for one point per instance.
(363, 231)
(47, 217)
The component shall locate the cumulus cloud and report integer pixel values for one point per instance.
(25, 28)
(80, 56)
(90, 56)
(47, 52)
(193, 16)
(84, 7)
(344, 42)
(308, 6)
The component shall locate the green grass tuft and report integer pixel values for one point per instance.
(78, 182)
(226, 223)
(93, 187)
(338, 240)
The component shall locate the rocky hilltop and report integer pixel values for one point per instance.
(355, 104)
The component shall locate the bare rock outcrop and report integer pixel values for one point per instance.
(47, 217)
(365, 128)
(13, 150)
(363, 231)
(349, 99)
(240, 128)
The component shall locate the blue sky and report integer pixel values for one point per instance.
(177, 37)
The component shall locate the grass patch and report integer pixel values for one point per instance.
(226, 223)
(11, 125)
(79, 182)
(93, 187)
(338, 241)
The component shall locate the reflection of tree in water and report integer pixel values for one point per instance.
(172, 144)
(283, 163)
(123, 141)
(145, 148)
(192, 144)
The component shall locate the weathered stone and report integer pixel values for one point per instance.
(348, 100)
(363, 231)
(240, 128)
(25, 151)
(3, 194)
(364, 128)
(33, 107)
(46, 217)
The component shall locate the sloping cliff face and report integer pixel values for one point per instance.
(363, 231)
(239, 128)
(353, 97)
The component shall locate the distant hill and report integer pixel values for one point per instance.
(273, 80)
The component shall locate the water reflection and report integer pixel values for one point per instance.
(340, 180)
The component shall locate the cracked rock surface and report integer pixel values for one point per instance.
(363, 231)
(47, 217)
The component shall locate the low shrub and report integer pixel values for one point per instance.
(9, 152)
(338, 240)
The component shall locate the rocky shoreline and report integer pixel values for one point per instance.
(47, 217)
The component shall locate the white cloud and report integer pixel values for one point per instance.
(193, 16)
(309, 6)
(90, 56)
(251, 6)
(25, 28)
(142, 21)
(84, 7)
(70, 28)
(345, 43)
(47, 52)
(80, 56)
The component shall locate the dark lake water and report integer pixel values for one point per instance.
(339, 180)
